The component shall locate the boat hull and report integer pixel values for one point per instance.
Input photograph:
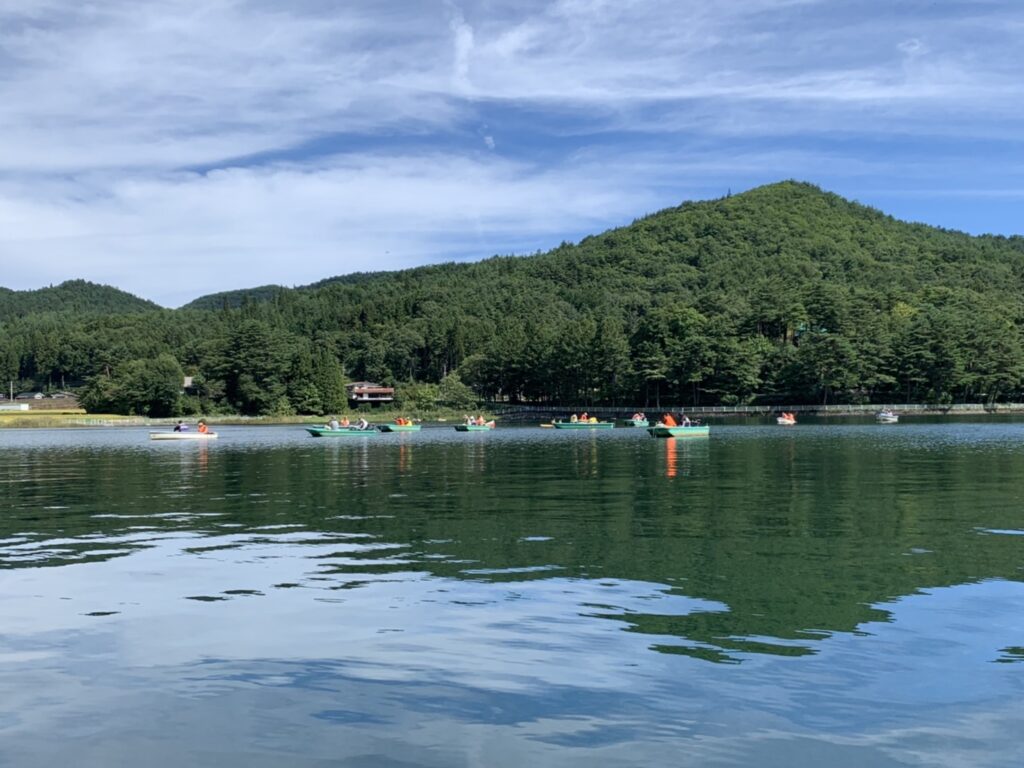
(637, 423)
(660, 430)
(583, 425)
(343, 432)
(887, 419)
(399, 427)
(785, 422)
(472, 428)
(182, 435)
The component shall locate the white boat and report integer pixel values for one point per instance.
(182, 435)
(785, 421)
(887, 417)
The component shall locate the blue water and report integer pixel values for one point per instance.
(834, 595)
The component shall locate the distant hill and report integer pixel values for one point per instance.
(71, 296)
(784, 293)
(790, 231)
(234, 299)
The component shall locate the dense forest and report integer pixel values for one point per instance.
(784, 293)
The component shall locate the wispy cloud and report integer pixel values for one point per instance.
(484, 124)
(188, 233)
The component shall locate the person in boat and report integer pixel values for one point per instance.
(573, 419)
(345, 423)
(362, 423)
(202, 428)
(592, 419)
(480, 420)
(668, 420)
(181, 426)
(684, 420)
(333, 423)
(585, 416)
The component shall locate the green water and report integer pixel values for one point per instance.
(844, 595)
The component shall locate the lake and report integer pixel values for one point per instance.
(824, 595)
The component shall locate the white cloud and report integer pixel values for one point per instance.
(463, 44)
(174, 236)
(175, 83)
(110, 106)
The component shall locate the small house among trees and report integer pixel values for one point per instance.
(360, 392)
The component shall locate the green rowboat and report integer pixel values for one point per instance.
(636, 422)
(472, 428)
(343, 432)
(399, 427)
(660, 430)
(584, 424)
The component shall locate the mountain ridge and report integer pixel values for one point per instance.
(797, 194)
(71, 296)
(785, 291)
(108, 298)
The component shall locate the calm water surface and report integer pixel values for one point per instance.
(844, 595)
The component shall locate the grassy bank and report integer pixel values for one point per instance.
(63, 418)
(79, 418)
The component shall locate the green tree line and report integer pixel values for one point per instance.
(781, 294)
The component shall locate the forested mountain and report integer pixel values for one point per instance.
(782, 293)
(235, 299)
(72, 296)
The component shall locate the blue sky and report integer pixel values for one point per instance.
(176, 148)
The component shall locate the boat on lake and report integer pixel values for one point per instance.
(887, 416)
(786, 420)
(182, 435)
(340, 432)
(399, 427)
(475, 427)
(583, 424)
(694, 430)
(636, 423)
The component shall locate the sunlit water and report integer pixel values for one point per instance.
(841, 595)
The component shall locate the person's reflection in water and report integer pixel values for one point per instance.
(670, 457)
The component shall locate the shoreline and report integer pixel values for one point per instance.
(523, 416)
(48, 419)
